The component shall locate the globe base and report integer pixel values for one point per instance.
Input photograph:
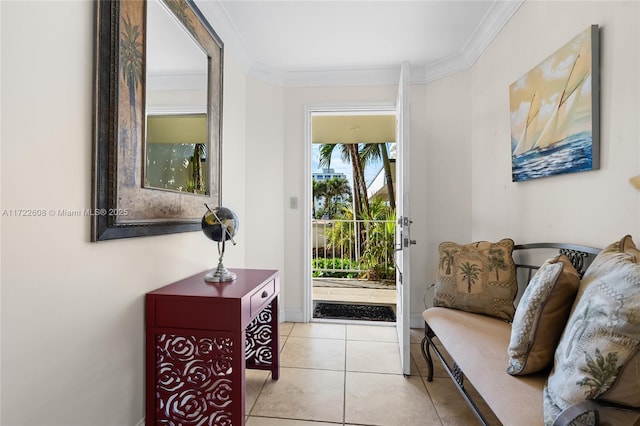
(220, 275)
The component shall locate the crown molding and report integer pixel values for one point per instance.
(492, 23)
(224, 27)
(370, 76)
(495, 19)
(499, 14)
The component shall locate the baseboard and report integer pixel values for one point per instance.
(293, 316)
(416, 321)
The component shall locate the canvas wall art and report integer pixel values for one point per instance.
(555, 112)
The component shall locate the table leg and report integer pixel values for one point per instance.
(198, 377)
(275, 341)
(262, 341)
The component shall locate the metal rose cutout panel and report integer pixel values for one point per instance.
(259, 335)
(193, 380)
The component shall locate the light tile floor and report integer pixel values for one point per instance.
(349, 374)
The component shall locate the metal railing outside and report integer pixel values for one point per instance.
(345, 246)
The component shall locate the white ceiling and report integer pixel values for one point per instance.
(323, 42)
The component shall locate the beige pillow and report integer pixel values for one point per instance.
(597, 357)
(477, 277)
(541, 316)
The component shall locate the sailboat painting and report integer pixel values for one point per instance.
(555, 115)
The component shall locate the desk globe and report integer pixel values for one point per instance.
(220, 224)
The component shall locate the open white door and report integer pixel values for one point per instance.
(403, 237)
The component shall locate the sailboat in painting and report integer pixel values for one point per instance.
(556, 135)
(557, 128)
(526, 140)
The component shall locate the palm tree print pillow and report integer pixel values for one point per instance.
(598, 357)
(478, 277)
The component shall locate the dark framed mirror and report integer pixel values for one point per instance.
(130, 87)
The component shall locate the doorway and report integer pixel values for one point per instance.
(404, 241)
(352, 225)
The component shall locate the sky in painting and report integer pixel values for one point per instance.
(536, 95)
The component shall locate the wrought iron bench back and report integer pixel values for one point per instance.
(525, 259)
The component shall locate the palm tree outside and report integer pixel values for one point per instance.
(338, 190)
(371, 222)
(349, 153)
(354, 245)
(379, 151)
(319, 195)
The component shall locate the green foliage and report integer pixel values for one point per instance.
(373, 234)
(331, 191)
(334, 263)
(377, 256)
(349, 153)
(376, 241)
(340, 239)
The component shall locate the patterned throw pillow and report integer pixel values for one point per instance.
(541, 316)
(478, 277)
(598, 354)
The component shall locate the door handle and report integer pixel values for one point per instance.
(408, 242)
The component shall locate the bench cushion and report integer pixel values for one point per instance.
(478, 344)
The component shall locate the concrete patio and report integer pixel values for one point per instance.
(353, 291)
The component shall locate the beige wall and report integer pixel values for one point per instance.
(469, 192)
(593, 208)
(446, 188)
(72, 311)
(265, 168)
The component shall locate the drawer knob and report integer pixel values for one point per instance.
(264, 294)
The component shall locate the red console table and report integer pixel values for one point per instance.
(200, 337)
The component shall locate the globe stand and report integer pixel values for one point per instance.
(220, 274)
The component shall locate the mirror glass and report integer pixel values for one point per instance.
(176, 107)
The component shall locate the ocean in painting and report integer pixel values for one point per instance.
(574, 154)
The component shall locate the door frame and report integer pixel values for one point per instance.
(370, 108)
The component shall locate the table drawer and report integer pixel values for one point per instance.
(193, 314)
(262, 296)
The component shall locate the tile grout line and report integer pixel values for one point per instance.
(248, 413)
(414, 357)
(344, 384)
(426, 388)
